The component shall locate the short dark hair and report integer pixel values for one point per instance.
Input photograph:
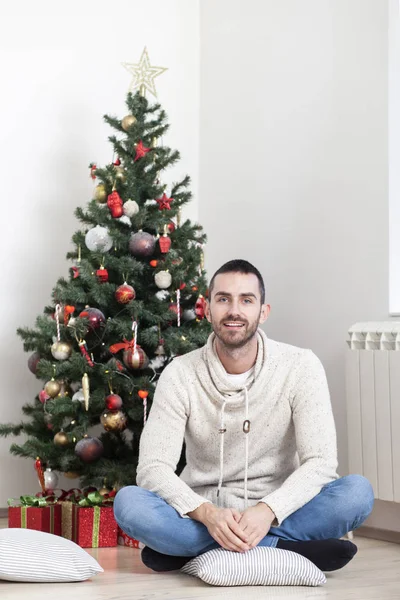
(238, 265)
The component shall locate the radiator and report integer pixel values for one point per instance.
(373, 405)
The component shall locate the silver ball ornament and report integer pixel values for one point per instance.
(98, 239)
(50, 479)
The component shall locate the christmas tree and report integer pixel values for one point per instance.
(133, 300)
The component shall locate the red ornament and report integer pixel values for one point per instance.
(153, 263)
(115, 205)
(200, 307)
(164, 203)
(117, 162)
(124, 293)
(182, 286)
(173, 307)
(113, 402)
(94, 316)
(141, 150)
(85, 353)
(171, 227)
(75, 271)
(40, 471)
(68, 312)
(93, 168)
(102, 274)
(43, 396)
(143, 394)
(135, 360)
(165, 243)
(195, 288)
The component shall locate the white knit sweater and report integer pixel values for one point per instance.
(285, 459)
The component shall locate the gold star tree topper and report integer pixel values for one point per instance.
(143, 74)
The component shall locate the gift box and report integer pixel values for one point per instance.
(125, 540)
(66, 500)
(66, 519)
(35, 513)
(94, 526)
(93, 523)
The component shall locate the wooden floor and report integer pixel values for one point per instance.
(373, 573)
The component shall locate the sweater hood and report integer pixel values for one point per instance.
(225, 391)
(229, 395)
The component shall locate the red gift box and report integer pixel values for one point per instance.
(94, 526)
(43, 518)
(125, 540)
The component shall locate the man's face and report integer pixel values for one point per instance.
(234, 308)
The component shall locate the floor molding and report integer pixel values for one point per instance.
(378, 534)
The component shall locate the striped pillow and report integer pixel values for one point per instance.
(28, 555)
(260, 566)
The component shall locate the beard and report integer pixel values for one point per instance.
(235, 338)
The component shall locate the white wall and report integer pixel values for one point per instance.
(61, 71)
(293, 158)
(293, 164)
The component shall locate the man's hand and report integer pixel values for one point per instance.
(256, 521)
(222, 525)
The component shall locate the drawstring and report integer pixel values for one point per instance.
(246, 430)
(221, 431)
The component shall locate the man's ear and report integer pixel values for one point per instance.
(207, 311)
(264, 314)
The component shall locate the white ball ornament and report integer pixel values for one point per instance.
(79, 396)
(130, 208)
(188, 314)
(162, 295)
(125, 220)
(98, 239)
(163, 279)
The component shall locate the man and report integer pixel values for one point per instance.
(260, 446)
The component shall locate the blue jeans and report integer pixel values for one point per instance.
(341, 506)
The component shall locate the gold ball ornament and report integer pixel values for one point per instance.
(71, 475)
(114, 420)
(120, 174)
(61, 350)
(104, 491)
(52, 388)
(127, 122)
(100, 193)
(61, 439)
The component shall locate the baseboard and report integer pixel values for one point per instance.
(3, 513)
(378, 534)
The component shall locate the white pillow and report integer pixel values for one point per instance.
(29, 555)
(260, 566)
